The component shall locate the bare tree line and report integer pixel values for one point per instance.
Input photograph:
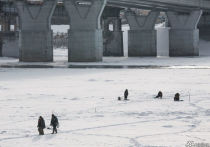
(60, 40)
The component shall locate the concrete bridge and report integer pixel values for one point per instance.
(89, 24)
(176, 5)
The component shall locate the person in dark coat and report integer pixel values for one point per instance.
(54, 123)
(126, 95)
(160, 95)
(41, 125)
(177, 97)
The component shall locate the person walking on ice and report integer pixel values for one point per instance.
(41, 125)
(54, 123)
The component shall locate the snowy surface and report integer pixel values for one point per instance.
(85, 101)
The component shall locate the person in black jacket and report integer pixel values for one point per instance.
(126, 95)
(177, 97)
(160, 95)
(41, 125)
(54, 123)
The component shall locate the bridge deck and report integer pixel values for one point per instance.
(176, 5)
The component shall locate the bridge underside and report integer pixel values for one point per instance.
(90, 37)
(162, 6)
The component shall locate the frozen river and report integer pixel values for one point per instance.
(85, 101)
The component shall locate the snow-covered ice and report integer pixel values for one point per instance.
(85, 101)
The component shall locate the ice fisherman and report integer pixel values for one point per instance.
(160, 95)
(126, 95)
(54, 123)
(41, 125)
(177, 97)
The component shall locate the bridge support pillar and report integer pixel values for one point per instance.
(35, 32)
(9, 46)
(85, 34)
(1, 44)
(1, 39)
(142, 35)
(113, 39)
(184, 35)
(204, 27)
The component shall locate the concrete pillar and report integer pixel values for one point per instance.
(204, 27)
(184, 35)
(85, 34)
(16, 25)
(10, 45)
(113, 40)
(1, 43)
(35, 32)
(142, 34)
